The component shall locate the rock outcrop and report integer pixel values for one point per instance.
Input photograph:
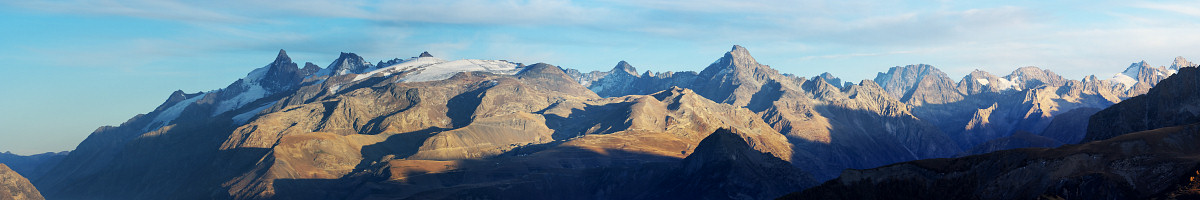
(14, 186)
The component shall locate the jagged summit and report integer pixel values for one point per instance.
(309, 66)
(829, 78)
(347, 63)
(737, 59)
(899, 80)
(425, 54)
(282, 57)
(624, 67)
(1180, 62)
(1136, 67)
(1030, 77)
(740, 56)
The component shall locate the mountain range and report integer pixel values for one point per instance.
(428, 128)
(1153, 159)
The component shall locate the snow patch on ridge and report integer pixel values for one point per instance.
(170, 114)
(1007, 84)
(1124, 79)
(400, 67)
(432, 69)
(982, 81)
(253, 93)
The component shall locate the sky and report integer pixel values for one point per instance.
(72, 66)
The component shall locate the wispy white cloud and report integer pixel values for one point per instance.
(1190, 8)
(150, 9)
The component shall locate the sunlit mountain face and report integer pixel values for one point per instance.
(522, 100)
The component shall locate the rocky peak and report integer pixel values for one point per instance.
(900, 82)
(425, 54)
(624, 67)
(282, 74)
(282, 63)
(391, 62)
(832, 80)
(347, 63)
(733, 78)
(1032, 77)
(979, 81)
(740, 56)
(1136, 68)
(282, 58)
(310, 68)
(736, 60)
(1180, 62)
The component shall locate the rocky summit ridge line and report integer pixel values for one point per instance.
(425, 127)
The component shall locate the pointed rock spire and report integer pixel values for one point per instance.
(737, 59)
(425, 54)
(282, 58)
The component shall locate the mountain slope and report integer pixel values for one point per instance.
(14, 186)
(724, 157)
(32, 166)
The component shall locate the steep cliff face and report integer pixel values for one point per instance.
(1176, 101)
(14, 186)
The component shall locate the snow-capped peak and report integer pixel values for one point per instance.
(1134, 69)
(346, 63)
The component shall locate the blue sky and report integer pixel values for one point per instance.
(75, 65)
